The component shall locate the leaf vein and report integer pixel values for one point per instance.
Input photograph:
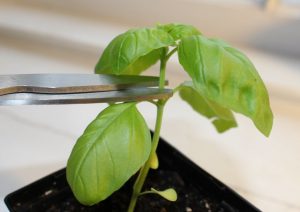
(84, 157)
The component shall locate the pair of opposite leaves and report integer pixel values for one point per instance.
(117, 143)
(222, 77)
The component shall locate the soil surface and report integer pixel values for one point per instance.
(190, 198)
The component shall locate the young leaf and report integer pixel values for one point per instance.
(227, 77)
(154, 163)
(112, 148)
(179, 31)
(169, 194)
(222, 118)
(133, 51)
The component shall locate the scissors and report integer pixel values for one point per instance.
(47, 89)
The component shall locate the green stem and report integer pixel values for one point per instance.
(171, 53)
(138, 185)
(163, 64)
(147, 192)
(145, 169)
(162, 74)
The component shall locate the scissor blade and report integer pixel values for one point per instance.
(131, 94)
(71, 83)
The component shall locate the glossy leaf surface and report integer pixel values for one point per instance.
(225, 76)
(221, 117)
(133, 51)
(112, 148)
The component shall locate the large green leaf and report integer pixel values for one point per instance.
(112, 148)
(133, 51)
(179, 31)
(143, 63)
(226, 76)
(221, 117)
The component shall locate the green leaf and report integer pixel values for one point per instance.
(143, 63)
(112, 148)
(179, 31)
(133, 51)
(222, 118)
(223, 125)
(169, 194)
(227, 77)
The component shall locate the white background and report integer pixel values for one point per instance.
(64, 37)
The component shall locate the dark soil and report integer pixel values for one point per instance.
(197, 191)
(190, 198)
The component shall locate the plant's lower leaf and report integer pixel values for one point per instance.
(169, 194)
(112, 148)
(222, 118)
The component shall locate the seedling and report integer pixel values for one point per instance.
(117, 144)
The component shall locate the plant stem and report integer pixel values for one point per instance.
(162, 74)
(138, 185)
(171, 53)
(145, 169)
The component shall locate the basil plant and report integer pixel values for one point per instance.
(117, 144)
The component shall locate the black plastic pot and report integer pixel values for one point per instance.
(197, 191)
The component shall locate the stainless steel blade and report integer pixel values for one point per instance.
(131, 94)
(71, 83)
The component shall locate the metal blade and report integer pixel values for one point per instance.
(132, 94)
(71, 83)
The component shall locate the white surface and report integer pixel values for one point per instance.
(36, 140)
